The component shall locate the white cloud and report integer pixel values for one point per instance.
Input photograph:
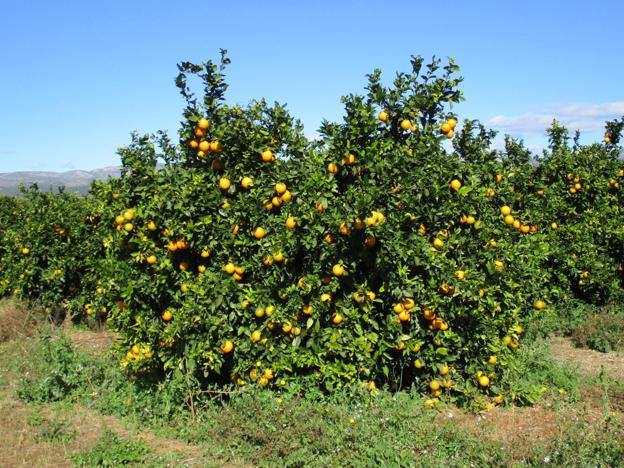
(584, 117)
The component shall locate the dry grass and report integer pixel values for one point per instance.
(15, 321)
(589, 362)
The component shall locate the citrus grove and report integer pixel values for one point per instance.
(248, 255)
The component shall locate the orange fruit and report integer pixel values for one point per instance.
(286, 196)
(338, 270)
(452, 123)
(455, 184)
(216, 146)
(267, 155)
(227, 347)
(349, 160)
(484, 381)
(333, 168)
(280, 188)
(203, 123)
(383, 116)
(25, 250)
(259, 232)
(370, 240)
(224, 183)
(167, 316)
(246, 182)
(445, 128)
(151, 259)
(434, 385)
(291, 222)
(337, 319)
(406, 124)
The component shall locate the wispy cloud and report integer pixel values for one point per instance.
(584, 117)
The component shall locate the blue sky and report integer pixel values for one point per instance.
(78, 76)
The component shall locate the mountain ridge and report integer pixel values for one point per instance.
(73, 181)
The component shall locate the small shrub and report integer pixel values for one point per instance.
(112, 450)
(60, 373)
(603, 332)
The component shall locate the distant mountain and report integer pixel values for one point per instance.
(73, 181)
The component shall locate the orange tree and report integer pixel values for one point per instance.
(45, 248)
(369, 255)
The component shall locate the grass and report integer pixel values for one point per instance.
(85, 405)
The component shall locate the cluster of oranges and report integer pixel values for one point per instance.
(448, 127)
(510, 220)
(204, 147)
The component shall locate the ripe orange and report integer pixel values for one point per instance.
(349, 160)
(404, 316)
(291, 222)
(452, 123)
(445, 128)
(326, 297)
(227, 347)
(256, 336)
(151, 259)
(383, 116)
(438, 244)
(280, 188)
(286, 196)
(455, 184)
(25, 250)
(216, 146)
(505, 210)
(539, 304)
(493, 359)
(406, 124)
(167, 316)
(398, 308)
(229, 268)
(224, 183)
(259, 232)
(204, 146)
(484, 381)
(338, 270)
(434, 385)
(128, 227)
(203, 123)
(267, 155)
(333, 168)
(337, 319)
(246, 182)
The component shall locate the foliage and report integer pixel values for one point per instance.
(111, 450)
